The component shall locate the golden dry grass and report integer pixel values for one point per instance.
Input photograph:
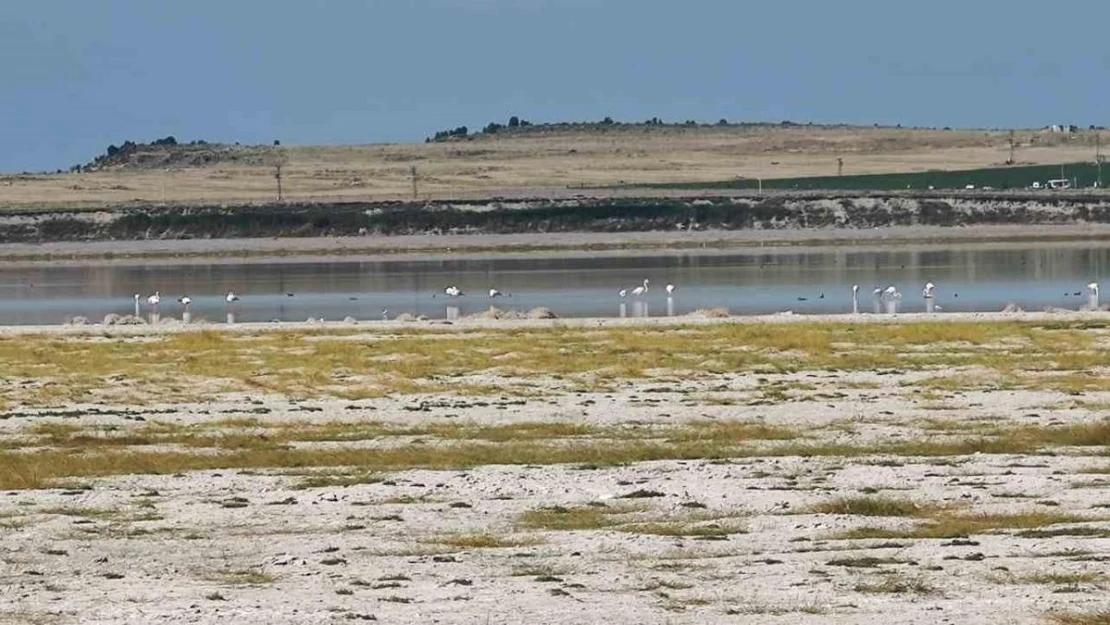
(1079, 618)
(194, 365)
(484, 541)
(947, 524)
(874, 506)
(507, 165)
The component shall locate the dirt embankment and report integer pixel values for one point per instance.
(773, 213)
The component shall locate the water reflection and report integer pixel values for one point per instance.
(986, 277)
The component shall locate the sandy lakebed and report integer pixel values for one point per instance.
(785, 469)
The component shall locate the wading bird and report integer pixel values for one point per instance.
(930, 290)
(154, 300)
(137, 311)
(453, 291)
(622, 292)
(494, 293)
(671, 288)
(640, 290)
(231, 297)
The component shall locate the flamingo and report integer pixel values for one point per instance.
(855, 299)
(231, 297)
(494, 293)
(154, 300)
(453, 291)
(640, 290)
(137, 311)
(1092, 294)
(185, 301)
(622, 293)
(891, 293)
(929, 290)
(670, 288)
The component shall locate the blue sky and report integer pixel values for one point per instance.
(79, 75)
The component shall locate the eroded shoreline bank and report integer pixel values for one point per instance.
(416, 247)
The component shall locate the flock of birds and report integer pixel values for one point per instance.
(453, 291)
(889, 295)
(156, 300)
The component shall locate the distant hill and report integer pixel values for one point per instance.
(167, 152)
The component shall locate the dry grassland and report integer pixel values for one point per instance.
(550, 164)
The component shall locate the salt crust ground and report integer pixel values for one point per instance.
(370, 551)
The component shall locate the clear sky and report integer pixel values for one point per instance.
(81, 74)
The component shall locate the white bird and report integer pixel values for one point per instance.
(891, 292)
(929, 290)
(137, 312)
(670, 288)
(640, 290)
(878, 292)
(185, 301)
(231, 297)
(1092, 295)
(155, 299)
(855, 299)
(622, 292)
(385, 314)
(453, 291)
(494, 293)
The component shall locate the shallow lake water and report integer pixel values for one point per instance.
(983, 277)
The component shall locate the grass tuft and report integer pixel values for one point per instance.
(874, 506)
(896, 585)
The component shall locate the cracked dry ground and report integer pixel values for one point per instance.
(919, 473)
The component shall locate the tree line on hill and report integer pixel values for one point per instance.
(517, 124)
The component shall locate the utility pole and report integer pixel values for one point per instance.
(277, 175)
(839, 166)
(413, 172)
(1098, 156)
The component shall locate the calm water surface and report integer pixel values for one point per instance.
(969, 278)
